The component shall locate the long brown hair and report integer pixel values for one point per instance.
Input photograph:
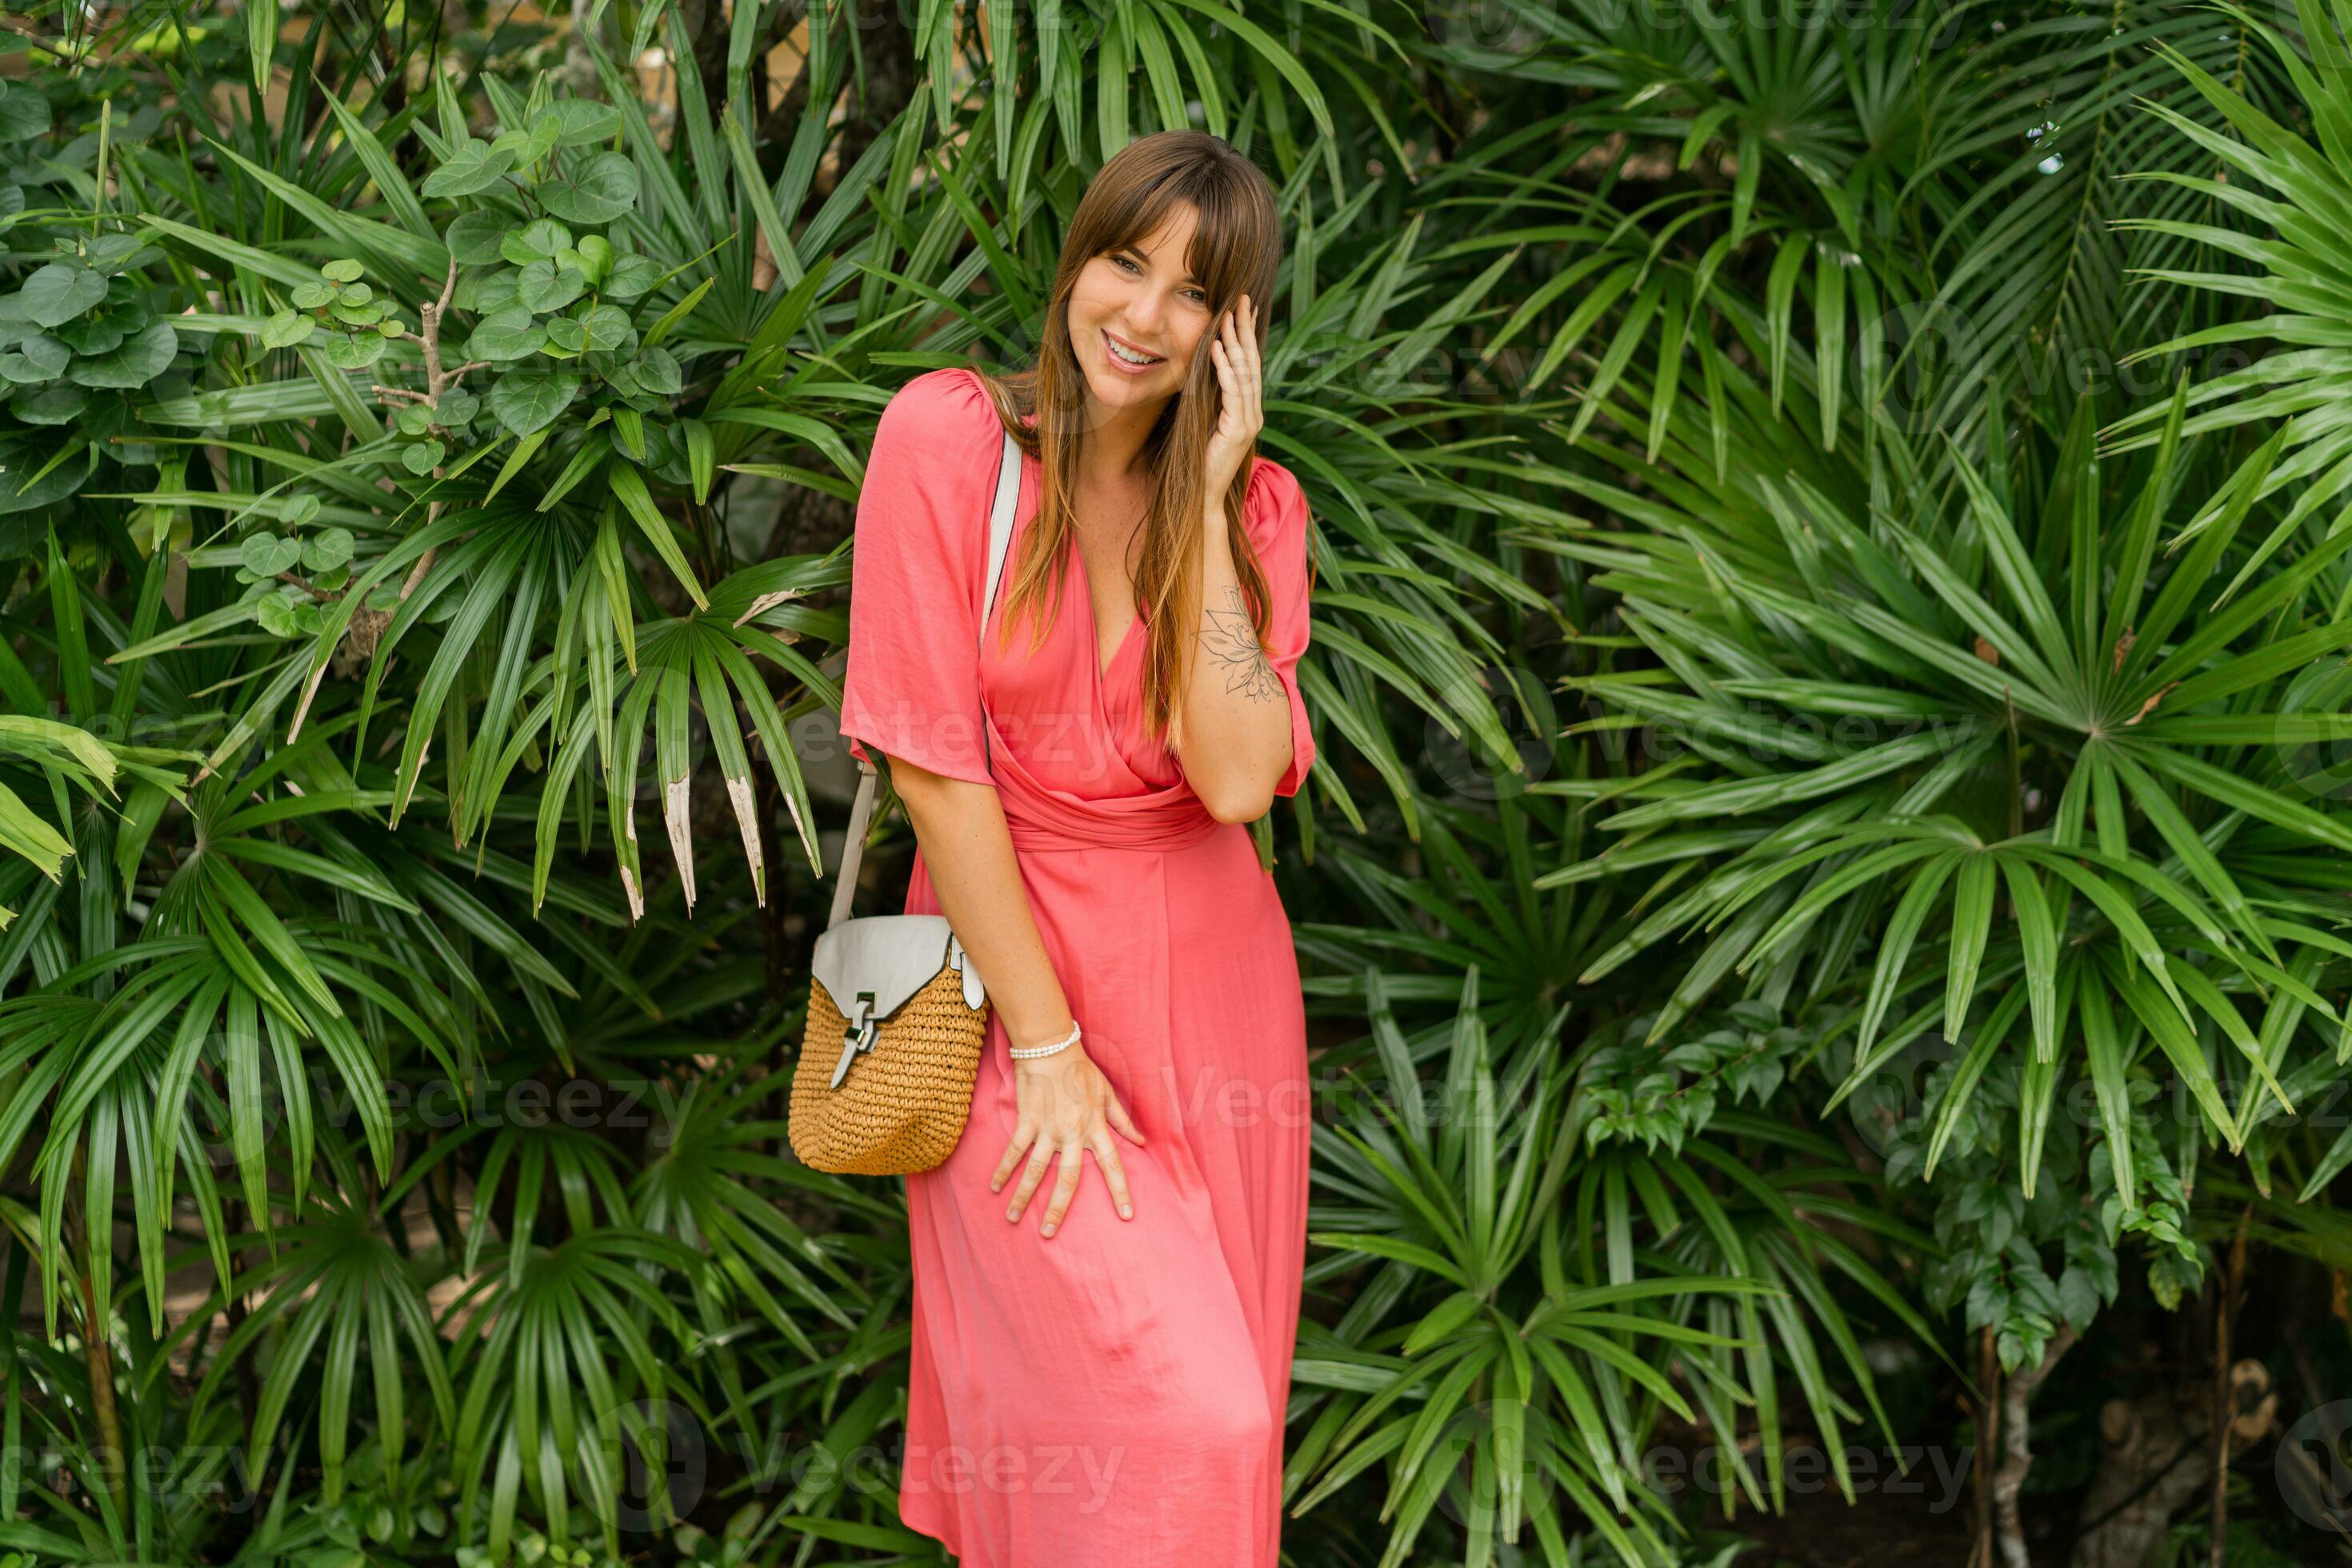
(1236, 249)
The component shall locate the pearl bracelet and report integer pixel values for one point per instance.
(1062, 1043)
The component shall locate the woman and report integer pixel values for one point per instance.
(1105, 1387)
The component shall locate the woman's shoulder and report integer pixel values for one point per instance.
(1274, 499)
(940, 405)
(934, 458)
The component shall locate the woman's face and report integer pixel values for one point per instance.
(1138, 301)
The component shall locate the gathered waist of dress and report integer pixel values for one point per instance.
(1040, 819)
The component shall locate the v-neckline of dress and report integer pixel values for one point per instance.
(1094, 625)
(1101, 668)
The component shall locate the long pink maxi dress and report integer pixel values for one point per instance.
(1111, 1396)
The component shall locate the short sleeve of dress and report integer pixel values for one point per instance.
(1281, 531)
(918, 556)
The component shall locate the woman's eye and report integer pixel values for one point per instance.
(1199, 295)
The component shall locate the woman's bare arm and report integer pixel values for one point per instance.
(1232, 731)
(960, 826)
(1065, 1104)
(1235, 715)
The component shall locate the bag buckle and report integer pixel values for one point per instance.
(858, 1036)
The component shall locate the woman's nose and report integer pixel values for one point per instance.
(1149, 317)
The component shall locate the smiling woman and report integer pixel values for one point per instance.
(1132, 1363)
(1154, 926)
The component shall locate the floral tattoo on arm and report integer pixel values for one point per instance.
(1231, 641)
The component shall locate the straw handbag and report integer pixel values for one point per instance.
(897, 1014)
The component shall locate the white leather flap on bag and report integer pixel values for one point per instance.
(974, 992)
(893, 956)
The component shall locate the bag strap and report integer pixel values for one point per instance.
(1000, 540)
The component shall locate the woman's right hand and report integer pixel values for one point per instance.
(1066, 1106)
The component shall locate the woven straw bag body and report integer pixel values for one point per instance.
(896, 1015)
(902, 1104)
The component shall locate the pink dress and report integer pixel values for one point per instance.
(1111, 1396)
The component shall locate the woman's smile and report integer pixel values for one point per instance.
(1125, 356)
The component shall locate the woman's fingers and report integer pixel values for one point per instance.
(1041, 1154)
(1238, 364)
(1022, 1134)
(1044, 1136)
(1254, 373)
(1232, 348)
(1065, 1185)
(1106, 1156)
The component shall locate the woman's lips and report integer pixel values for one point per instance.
(1118, 364)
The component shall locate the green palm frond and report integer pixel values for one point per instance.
(1992, 721)
(1516, 1351)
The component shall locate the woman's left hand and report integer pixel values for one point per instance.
(1241, 413)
